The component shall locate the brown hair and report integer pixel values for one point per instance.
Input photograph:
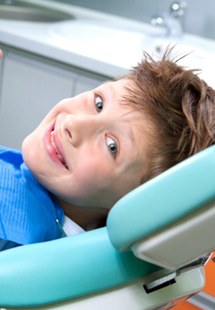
(180, 106)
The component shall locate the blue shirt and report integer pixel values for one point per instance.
(28, 212)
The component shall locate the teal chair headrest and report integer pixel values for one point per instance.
(163, 200)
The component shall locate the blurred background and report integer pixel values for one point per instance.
(199, 18)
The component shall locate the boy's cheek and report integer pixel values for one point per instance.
(89, 178)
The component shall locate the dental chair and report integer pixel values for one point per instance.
(150, 255)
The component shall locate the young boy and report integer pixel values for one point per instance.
(92, 149)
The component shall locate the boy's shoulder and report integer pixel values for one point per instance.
(10, 155)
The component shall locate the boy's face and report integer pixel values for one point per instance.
(89, 150)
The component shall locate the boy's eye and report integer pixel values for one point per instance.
(112, 146)
(99, 103)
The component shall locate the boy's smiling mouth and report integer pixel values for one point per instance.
(58, 153)
(56, 149)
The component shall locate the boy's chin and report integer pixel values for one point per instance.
(25, 145)
(28, 151)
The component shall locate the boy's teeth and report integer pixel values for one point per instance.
(52, 139)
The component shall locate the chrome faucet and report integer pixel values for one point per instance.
(172, 20)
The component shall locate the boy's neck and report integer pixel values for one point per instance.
(87, 217)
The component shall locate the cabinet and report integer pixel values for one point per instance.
(30, 86)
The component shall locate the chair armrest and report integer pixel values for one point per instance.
(66, 268)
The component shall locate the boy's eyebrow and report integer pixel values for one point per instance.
(110, 87)
(129, 130)
(131, 135)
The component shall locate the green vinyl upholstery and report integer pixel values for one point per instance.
(66, 268)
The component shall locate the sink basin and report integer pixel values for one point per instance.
(99, 40)
(24, 11)
(95, 35)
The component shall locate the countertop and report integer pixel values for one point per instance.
(112, 56)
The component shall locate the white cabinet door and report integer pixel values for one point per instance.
(29, 89)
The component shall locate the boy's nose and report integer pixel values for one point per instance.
(81, 127)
